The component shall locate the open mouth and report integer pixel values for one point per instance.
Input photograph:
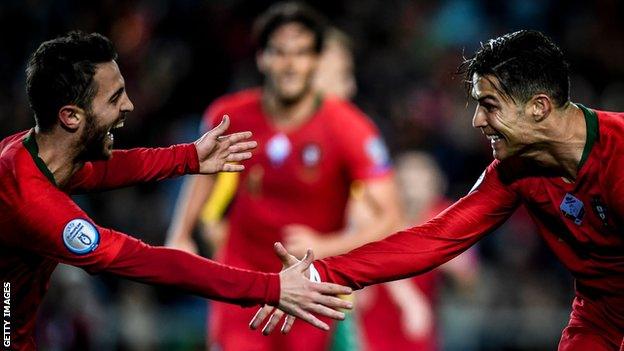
(117, 125)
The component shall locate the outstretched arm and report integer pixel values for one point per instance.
(213, 152)
(419, 249)
(51, 225)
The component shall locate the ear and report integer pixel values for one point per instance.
(539, 107)
(71, 116)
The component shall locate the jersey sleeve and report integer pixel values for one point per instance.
(53, 226)
(419, 249)
(128, 167)
(365, 153)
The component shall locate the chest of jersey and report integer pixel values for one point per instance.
(578, 215)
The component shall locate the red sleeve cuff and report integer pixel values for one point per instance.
(192, 159)
(273, 289)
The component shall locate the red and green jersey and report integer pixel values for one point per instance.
(298, 176)
(581, 221)
(40, 226)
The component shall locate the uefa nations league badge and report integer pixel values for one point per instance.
(572, 208)
(80, 236)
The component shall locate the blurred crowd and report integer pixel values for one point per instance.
(178, 55)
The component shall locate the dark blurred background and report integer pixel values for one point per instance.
(177, 56)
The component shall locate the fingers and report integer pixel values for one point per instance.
(326, 311)
(272, 323)
(334, 302)
(331, 289)
(309, 317)
(286, 258)
(238, 157)
(260, 316)
(243, 146)
(288, 323)
(307, 260)
(222, 127)
(236, 137)
(233, 167)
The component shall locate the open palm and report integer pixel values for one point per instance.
(219, 153)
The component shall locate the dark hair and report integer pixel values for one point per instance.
(289, 12)
(525, 63)
(61, 71)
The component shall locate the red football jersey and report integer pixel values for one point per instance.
(41, 226)
(582, 222)
(300, 176)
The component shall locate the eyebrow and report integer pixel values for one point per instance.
(485, 97)
(116, 94)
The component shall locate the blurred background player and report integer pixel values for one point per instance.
(407, 309)
(297, 187)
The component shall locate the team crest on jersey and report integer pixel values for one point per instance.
(572, 208)
(377, 152)
(278, 148)
(80, 236)
(311, 155)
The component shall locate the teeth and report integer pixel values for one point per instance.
(493, 137)
(119, 124)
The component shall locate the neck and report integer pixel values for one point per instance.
(59, 153)
(561, 142)
(291, 114)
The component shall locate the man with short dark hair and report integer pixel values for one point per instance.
(78, 96)
(297, 185)
(562, 160)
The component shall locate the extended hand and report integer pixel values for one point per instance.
(216, 150)
(299, 297)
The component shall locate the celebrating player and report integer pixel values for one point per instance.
(562, 160)
(78, 98)
(297, 185)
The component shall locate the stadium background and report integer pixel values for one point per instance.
(177, 56)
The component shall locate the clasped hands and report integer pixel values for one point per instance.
(300, 297)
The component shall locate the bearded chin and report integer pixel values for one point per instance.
(93, 142)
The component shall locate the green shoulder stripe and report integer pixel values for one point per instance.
(31, 145)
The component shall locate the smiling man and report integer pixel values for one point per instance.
(563, 161)
(77, 94)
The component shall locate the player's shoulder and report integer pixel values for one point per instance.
(341, 115)
(340, 109)
(16, 166)
(12, 151)
(230, 103)
(610, 129)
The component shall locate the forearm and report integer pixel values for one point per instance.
(194, 274)
(129, 167)
(419, 249)
(341, 242)
(193, 196)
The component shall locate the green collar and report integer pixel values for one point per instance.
(31, 145)
(591, 120)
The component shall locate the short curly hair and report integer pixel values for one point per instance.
(61, 71)
(525, 63)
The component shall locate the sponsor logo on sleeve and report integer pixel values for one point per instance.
(80, 236)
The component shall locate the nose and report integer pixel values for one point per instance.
(478, 120)
(127, 105)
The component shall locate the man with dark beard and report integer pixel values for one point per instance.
(78, 97)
